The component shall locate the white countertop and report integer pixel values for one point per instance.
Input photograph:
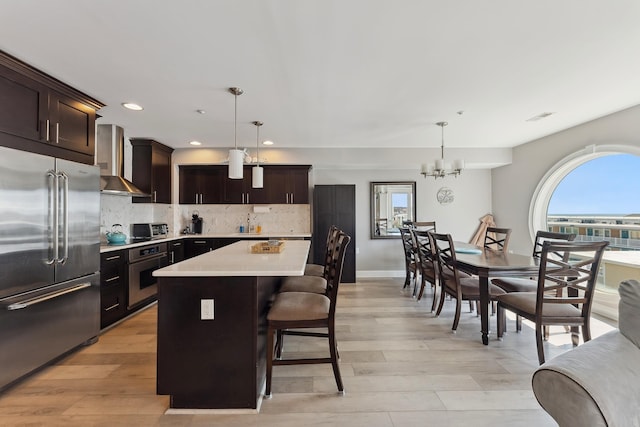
(266, 236)
(236, 259)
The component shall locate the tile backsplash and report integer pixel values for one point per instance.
(216, 218)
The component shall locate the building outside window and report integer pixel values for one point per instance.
(610, 214)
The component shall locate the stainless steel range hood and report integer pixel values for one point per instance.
(110, 158)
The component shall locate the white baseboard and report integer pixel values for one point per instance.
(366, 274)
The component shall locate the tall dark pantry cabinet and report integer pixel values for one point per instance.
(335, 205)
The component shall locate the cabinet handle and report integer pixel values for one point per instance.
(200, 242)
(154, 196)
(172, 257)
(48, 124)
(111, 258)
(291, 198)
(196, 198)
(243, 198)
(247, 198)
(112, 307)
(177, 244)
(201, 198)
(111, 279)
(57, 133)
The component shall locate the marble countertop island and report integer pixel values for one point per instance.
(236, 259)
(212, 317)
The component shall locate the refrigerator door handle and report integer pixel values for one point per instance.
(65, 217)
(52, 180)
(33, 301)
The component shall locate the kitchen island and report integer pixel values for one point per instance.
(212, 324)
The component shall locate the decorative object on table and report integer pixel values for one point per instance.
(445, 196)
(270, 247)
(257, 171)
(116, 236)
(236, 157)
(440, 169)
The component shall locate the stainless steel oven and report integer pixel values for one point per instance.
(143, 261)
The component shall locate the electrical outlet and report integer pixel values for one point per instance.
(206, 309)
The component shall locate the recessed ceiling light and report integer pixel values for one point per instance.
(132, 106)
(267, 142)
(200, 111)
(539, 116)
(195, 143)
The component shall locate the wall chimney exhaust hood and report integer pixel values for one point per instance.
(110, 159)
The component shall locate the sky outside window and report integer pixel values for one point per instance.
(608, 185)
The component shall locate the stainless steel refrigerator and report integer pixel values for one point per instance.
(49, 259)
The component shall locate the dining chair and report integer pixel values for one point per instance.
(424, 225)
(319, 269)
(497, 238)
(564, 292)
(408, 246)
(427, 264)
(311, 282)
(292, 311)
(523, 284)
(452, 282)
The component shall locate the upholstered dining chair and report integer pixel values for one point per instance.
(452, 282)
(522, 284)
(313, 283)
(424, 225)
(564, 292)
(293, 311)
(319, 269)
(411, 265)
(427, 264)
(497, 238)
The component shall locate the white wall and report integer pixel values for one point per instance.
(384, 257)
(513, 185)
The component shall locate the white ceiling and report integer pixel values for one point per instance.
(338, 73)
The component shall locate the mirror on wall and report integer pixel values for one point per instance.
(391, 203)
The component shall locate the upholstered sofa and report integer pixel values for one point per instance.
(597, 383)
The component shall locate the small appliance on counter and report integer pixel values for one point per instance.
(148, 231)
(196, 223)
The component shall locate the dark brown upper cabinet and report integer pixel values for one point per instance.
(43, 115)
(287, 184)
(151, 171)
(209, 184)
(201, 184)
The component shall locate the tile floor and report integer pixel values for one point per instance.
(401, 367)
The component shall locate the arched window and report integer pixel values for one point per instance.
(595, 193)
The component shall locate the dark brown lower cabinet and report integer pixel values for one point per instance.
(219, 363)
(335, 205)
(113, 287)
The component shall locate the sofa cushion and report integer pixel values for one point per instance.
(629, 310)
(595, 384)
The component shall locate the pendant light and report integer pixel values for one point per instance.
(439, 170)
(236, 157)
(257, 171)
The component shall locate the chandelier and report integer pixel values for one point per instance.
(440, 169)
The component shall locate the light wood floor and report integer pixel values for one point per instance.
(401, 367)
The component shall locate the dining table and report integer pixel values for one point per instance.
(488, 263)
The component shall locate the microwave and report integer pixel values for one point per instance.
(149, 231)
